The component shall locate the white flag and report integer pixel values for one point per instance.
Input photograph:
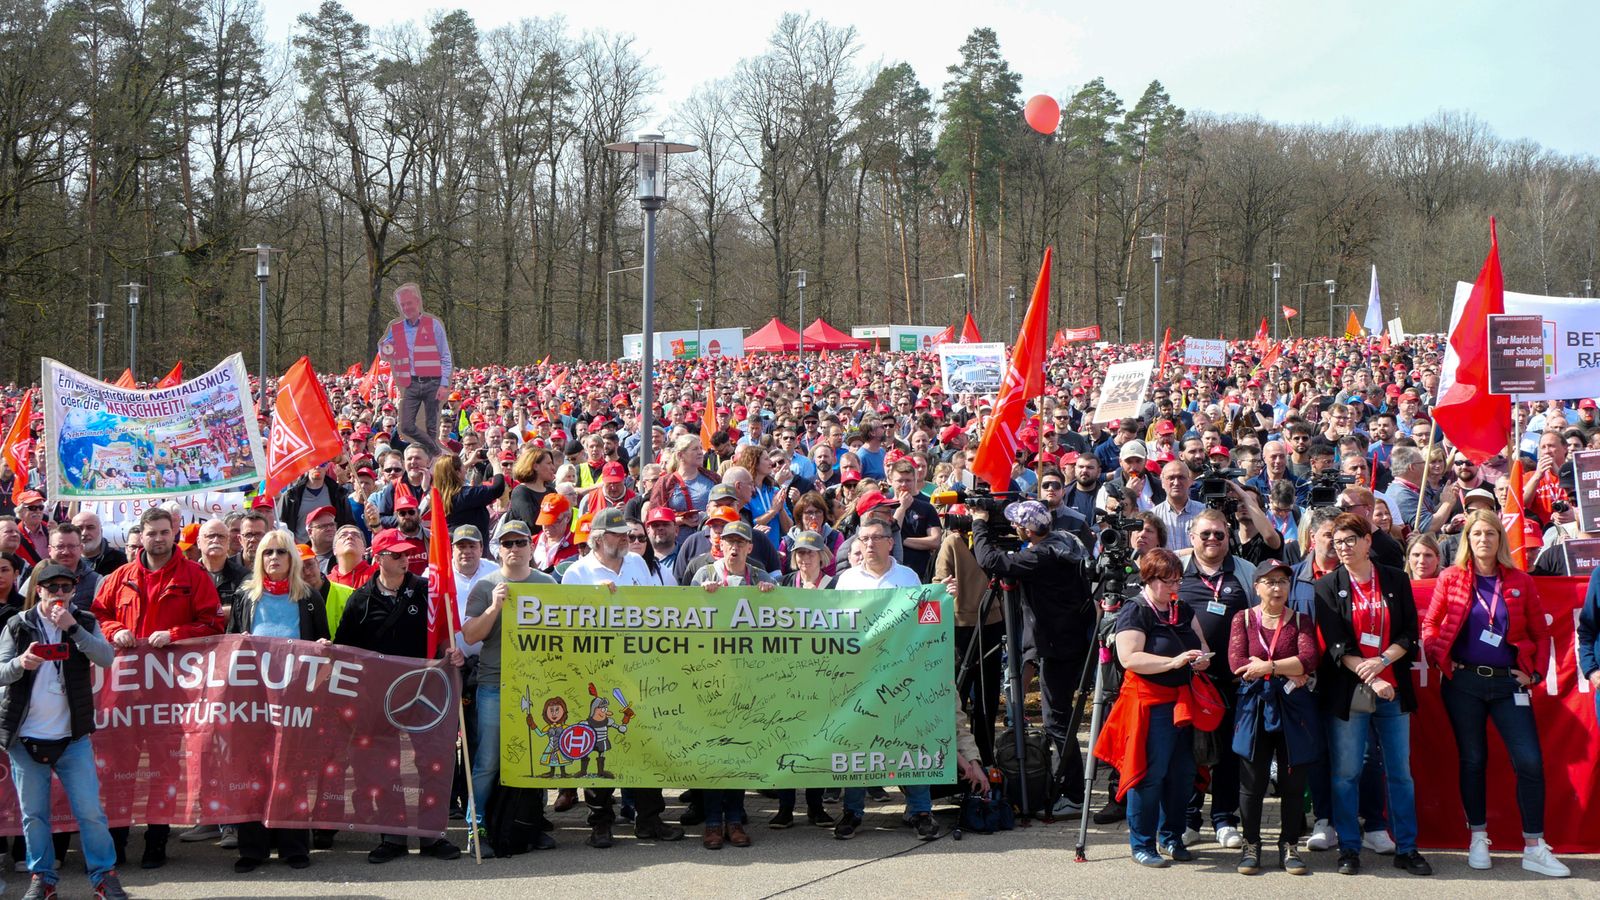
(1374, 321)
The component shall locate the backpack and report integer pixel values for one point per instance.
(512, 819)
(985, 812)
(1036, 750)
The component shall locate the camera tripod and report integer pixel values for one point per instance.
(1011, 610)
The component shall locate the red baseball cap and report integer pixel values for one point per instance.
(318, 512)
(660, 514)
(613, 473)
(390, 540)
(29, 498)
(261, 501)
(1586, 403)
(870, 501)
(1165, 426)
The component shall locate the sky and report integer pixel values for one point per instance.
(1525, 69)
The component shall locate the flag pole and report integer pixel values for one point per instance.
(1422, 489)
(461, 741)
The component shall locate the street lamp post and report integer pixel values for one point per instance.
(800, 282)
(1332, 286)
(1120, 301)
(922, 287)
(263, 254)
(1588, 287)
(1157, 242)
(609, 354)
(1011, 292)
(133, 327)
(1277, 311)
(650, 153)
(99, 340)
(699, 340)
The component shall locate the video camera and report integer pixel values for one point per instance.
(1325, 488)
(977, 498)
(1115, 561)
(1214, 487)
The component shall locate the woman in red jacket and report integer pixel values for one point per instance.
(1483, 630)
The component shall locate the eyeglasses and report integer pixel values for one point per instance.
(405, 512)
(514, 543)
(1345, 543)
(873, 538)
(35, 507)
(58, 587)
(392, 470)
(274, 551)
(1212, 535)
(1463, 462)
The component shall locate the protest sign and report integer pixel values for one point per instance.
(1517, 355)
(1122, 392)
(1087, 333)
(1571, 342)
(971, 368)
(1586, 477)
(732, 689)
(291, 733)
(1203, 352)
(103, 442)
(1582, 556)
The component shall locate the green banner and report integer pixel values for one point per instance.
(910, 342)
(732, 689)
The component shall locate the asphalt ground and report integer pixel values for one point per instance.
(884, 860)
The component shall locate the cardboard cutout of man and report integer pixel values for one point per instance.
(418, 353)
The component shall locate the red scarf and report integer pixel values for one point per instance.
(273, 586)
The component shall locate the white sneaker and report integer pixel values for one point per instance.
(1065, 807)
(1478, 853)
(1322, 836)
(1538, 858)
(1191, 836)
(1378, 842)
(1230, 838)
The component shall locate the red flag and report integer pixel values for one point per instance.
(555, 385)
(1514, 519)
(1059, 342)
(1383, 345)
(125, 380)
(708, 422)
(1478, 423)
(1166, 342)
(18, 446)
(379, 368)
(1023, 381)
(353, 371)
(969, 331)
(443, 616)
(303, 431)
(855, 368)
(1271, 357)
(1290, 312)
(1260, 343)
(943, 337)
(172, 378)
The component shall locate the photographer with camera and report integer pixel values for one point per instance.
(980, 690)
(1049, 573)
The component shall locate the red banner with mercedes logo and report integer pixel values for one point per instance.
(292, 733)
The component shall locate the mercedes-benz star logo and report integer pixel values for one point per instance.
(418, 700)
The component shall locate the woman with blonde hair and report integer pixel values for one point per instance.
(683, 487)
(1486, 633)
(277, 603)
(466, 504)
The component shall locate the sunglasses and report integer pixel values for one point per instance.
(1051, 486)
(58, 587)
(514, 543)
(636, 538)
(274, 552)
(35, 507)
(405, 512)
(1213, 535)
(392, 470)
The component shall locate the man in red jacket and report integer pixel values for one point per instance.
(160, 596)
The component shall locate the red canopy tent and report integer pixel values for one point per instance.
(822, 336)
(774, 337)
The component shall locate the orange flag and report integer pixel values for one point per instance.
(18, 446)
(125, 380)
(855, 368)
(303, 431)
(708, 422)
(1352, 326)
(353, 371)
(379, 367)
(1514, 519)
(1166, 342)
(1023, 381)
(172, 378)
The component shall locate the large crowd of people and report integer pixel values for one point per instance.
(1290, 589)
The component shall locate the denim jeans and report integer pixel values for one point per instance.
(918, 800)
(1471, 700)
(723, 807)
(76, 770)
(486, 753)
(1319, 777)
(1156, 804)
(1347, 742)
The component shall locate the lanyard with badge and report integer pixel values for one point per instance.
(1216, 607)
(1372, 608)
(1492, 608)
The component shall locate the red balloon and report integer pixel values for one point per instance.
(1043, 113)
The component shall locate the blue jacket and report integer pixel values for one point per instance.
(1263, 706)
(1589, 628)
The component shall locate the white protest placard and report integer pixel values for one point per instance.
(1202, 352)
(971, 368)
(1122, 391)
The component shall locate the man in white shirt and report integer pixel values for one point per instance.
(609, 563)
(470, 567)
(878, 568)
